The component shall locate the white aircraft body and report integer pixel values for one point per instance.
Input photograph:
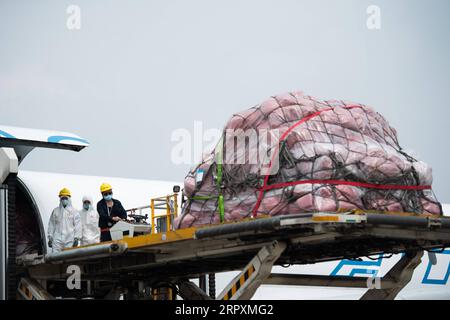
(38, 195)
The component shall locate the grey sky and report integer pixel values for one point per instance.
(137, 70)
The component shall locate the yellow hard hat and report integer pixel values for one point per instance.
(65, 193)
(105, 187)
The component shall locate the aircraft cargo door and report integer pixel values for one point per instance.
(3, 240)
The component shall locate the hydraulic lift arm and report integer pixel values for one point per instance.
(244, 285)
(390, 285)
(396, 279)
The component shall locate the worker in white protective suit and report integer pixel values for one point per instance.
(89, 221)
(64, 226)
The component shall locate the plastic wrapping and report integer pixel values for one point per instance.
(331, 156)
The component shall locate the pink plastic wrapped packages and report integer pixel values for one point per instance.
(296, 154)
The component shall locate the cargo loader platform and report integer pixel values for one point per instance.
(252, 246)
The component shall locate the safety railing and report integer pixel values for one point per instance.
(163, 212)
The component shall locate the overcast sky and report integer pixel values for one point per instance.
(138, 70)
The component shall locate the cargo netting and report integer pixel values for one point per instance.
(313, 156)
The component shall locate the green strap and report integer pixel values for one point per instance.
(221, 209)
(202, 198)
(219, 163)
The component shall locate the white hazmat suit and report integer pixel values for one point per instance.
(64, 227)
(89, 221)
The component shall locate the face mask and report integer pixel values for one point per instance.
(65, 202)
(86, 206)
(108, 197)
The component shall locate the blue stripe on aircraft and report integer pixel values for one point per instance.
(356, 271)
(357, 263)
(426, 278)
(58, 139)
(377, 263)
(5, 134)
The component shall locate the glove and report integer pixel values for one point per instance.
(75, 242)
(50, 242)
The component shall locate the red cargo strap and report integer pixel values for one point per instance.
(345, 182)
(267, 187)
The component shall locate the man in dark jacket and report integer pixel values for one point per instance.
(110, 211)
